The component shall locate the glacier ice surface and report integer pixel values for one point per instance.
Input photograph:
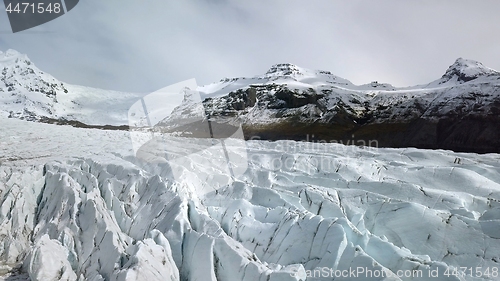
(75, 204)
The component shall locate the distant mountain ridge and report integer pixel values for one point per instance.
(459, 111)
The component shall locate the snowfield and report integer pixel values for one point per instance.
(76, 204)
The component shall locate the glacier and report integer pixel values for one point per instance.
(77, 204)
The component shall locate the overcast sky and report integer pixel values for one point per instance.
(144, 45)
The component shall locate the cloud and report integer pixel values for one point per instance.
(134, 45)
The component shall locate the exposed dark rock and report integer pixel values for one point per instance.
(78, 124)
(464, 122)
(471, 134)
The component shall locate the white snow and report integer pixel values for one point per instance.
(76, 204)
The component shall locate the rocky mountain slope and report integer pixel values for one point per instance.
(459, 111)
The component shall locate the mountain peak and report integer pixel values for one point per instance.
(11, 55)
(31, 92)
(11, 52)
(284, 69)
(464, 70)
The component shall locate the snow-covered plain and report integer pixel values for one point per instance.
(76, 204)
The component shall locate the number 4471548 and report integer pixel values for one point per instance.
(32, 8)
(477, 272)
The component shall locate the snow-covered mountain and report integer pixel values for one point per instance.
(459, 111)
(28, 93)
(76, 204)
(463, 71)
